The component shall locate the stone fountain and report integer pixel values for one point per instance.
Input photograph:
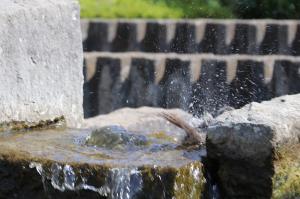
(47, 150)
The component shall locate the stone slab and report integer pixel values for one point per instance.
(40, 61)
(61, 163)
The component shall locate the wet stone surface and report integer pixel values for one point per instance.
(60, 164)
(115, 137)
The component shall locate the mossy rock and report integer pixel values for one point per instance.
(58, 122)
(286, 180)
(58, 164)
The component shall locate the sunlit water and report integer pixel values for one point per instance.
(67, 147)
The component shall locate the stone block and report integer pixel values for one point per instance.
(40, 60)
(255, 149)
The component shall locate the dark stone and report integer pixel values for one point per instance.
(116, 137)
(155, 39)
(125, 39)
(104, 89)
(286, 78)
(248, 85)
(210, 93)
(242, 178)
(185, 39)
(244, 41)
(140, 85)
(176, 85)
(97, 39)
(296, 42)
(275, 40)
(214, 39)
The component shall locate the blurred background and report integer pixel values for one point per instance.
(183, 54)
(242, 9)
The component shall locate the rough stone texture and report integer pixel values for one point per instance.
(144, 120)
(243, 145)
(40, 60)
(61, 164)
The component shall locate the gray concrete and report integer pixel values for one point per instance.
(40, 60)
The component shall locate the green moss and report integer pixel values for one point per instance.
(189, 182)
(286, 181)
(58, 122)
(162, 136)
(186, 182)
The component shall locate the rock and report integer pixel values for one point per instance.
(115, 137)
(58, 164)
(147, 121)
(41, 61)
(244, 145)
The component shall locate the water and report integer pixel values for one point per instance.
(63, 160)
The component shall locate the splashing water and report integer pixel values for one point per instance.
(121, 183)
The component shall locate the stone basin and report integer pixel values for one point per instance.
(58, 163)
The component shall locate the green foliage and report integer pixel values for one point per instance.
(153, 9)
(276, 9)
(127, 9)
(286, 181)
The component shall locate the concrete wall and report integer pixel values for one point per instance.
(256, 37)
(192, 82)
(40, 60)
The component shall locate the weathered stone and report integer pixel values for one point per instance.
(60, 165)
(147, 121)
(40, 60)
(244, 145)
(115, 137)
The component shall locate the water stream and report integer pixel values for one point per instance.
(64, 160)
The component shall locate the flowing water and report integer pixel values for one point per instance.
(64, 159)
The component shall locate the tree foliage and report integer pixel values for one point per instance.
(244, 9)
(275, 9)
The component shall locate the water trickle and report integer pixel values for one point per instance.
(67, 165)
(124, 183)
(64, 178)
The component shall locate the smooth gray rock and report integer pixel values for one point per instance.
(146, 121)
(40, 61)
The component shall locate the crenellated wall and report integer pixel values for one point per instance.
(197, 83)
(254, 37)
